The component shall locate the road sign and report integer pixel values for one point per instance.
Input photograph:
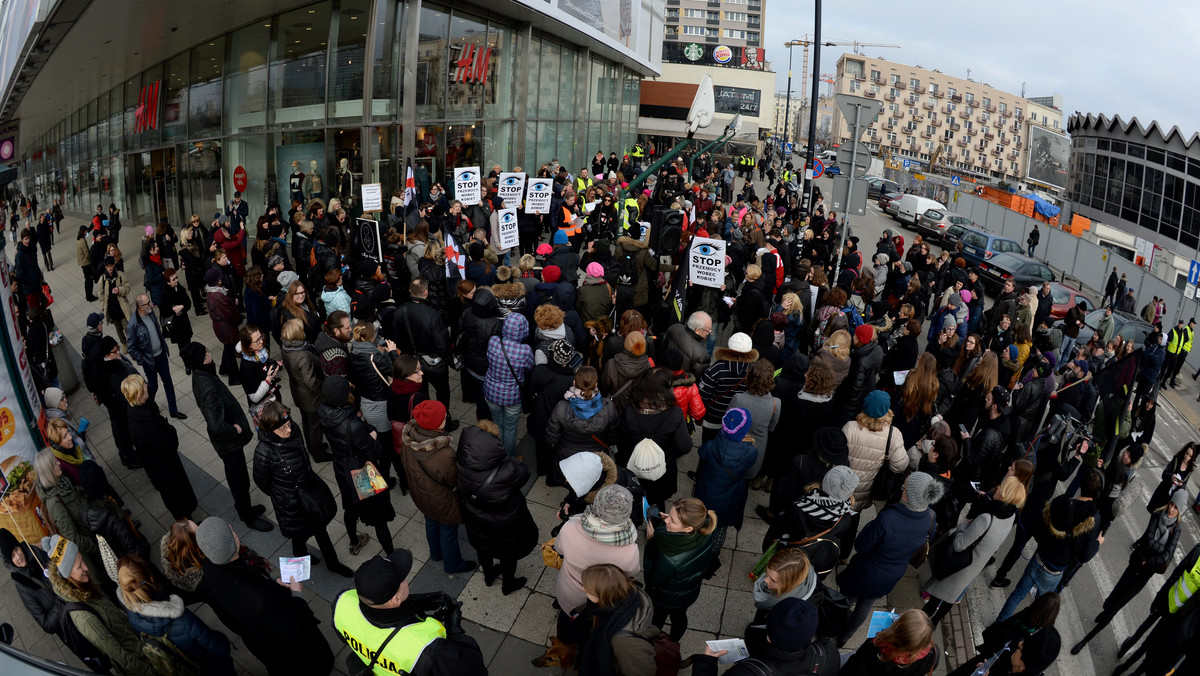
(818, 168)
(955, 180)
(787, 147)
(849, 158)
(857, 205)
(1194, 274)
(906, 164)
(870, 109)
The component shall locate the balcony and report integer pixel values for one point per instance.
(935, 122)
(672, 3)
(1018, 143)
(1020, 116)
(926, 134)
(957, 98)
(714, 3)
(858, 76)
(1015, 128)
(936, 93)
(997, 151)
(964, 114)
(991, 107)
(947, 109)
(888, 126)
(920, 89)
(711, 39)
(982, 147)
(879, 80)
(929, 105)
(1004, 140)
(900, 85)
(954, 126)
(983, 118)
(712, 22)
(753, 7)
(963, 143)
(989, 135)
(871, 93)
(1006, 112)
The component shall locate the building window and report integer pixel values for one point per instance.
(1003, 107)
(914, 83)
(895, 80)
(735, 2)
(752, 36)
(694, 13)
(693, 30)
(891, 137)
(753, 20)
(933, 88)
(855, 85)
(733, 33)
(671, 31)
(854, 68)
(710, 32)
(875, 75)
(951, 91)
(970, 97)
(735, 16)
(672, 13)
(713, 16)
(875, 89)
(986, 102)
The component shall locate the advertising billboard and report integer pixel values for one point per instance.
(734, 100)
(632, 27)
(1049, 154)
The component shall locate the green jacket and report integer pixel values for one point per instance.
(107, 627)
(65, 505)
(674, 571)
(1105, 329)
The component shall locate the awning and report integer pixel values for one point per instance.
(7, 175)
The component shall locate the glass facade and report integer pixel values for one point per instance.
(1139, 183)
(315, 101)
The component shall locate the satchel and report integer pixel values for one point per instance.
(918, 557)
(885, 479)
(550, 555)
(522, 385)
(944, 561)
(368, 482)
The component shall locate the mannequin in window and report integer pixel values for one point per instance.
(345, 182)
(313, 186)
(296, 183)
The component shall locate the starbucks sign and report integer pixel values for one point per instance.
(693, 51)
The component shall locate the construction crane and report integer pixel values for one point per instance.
(829, 79)
(806, 42)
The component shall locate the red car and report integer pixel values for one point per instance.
(1064, 298)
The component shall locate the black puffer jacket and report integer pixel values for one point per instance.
(34, 589)
(104, 518)
(352, 446)
(984, 455)
(221, 411)
(280, 465)
(370, 381)
(865, 361)
(496, 515)
(157, 443)
(480, 321)
(428, 329)
(548, 383)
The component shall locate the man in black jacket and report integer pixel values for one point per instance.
(866, 357)
(228, 430)
(90, 351)
(984, 455)
(419, 329)
(332, 342)
(110, 372)
(790, 647)
(691, 339)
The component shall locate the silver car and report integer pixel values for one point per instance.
(934, 223)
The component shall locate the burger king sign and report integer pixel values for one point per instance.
(722, 54)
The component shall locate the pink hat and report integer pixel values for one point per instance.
(544, 249)
(149, 230)
(595, 270)
(966, 295)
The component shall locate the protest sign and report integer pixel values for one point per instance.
(537, 195)
(706, 262)
(509, 237)
(511, 188)
(467, 186)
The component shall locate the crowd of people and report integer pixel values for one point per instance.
(893, 416)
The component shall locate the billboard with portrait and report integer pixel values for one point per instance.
(1049, 154)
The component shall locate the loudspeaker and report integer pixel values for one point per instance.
(666, 226)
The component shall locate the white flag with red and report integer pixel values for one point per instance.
(410, 187)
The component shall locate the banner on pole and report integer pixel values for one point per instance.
(509, 237)
(467, 186)
(537, 195)
(511, 188)
(706, 262)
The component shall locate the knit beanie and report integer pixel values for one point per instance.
(475, 251)
(791, 624)
(865, 333)
(613, 505)
(922, 491)
(582, 471)
(62, 553)
(595, 270)
(1180, 498)
(430, 415)
(335, 391)
(53, 397)
(839, 483)
(563, 354)
(214, 537)
(560, 237)
(551, 274)
(735, 424)
(954, 300)
(212, 277)
(544, 249)
(876, 404)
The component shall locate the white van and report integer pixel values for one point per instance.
(912, 206)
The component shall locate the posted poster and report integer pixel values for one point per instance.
(372, 197)
(467, 186)
(537, 195)
(706, 262)
(369, 241)
(511, 188)
(509, 237)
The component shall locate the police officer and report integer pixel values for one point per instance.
(1179, 344)
(394, 632)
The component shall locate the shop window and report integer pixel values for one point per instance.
(570, 78)
(345, 168)
(549, 82)
(386, 92)
(246, 79)
(472, 58)
(432, 63)
(298, 69)
(300, 173)
(349, 60)
(132, 90)
(174, 99)
(205, 95)
(533, 76)
(499, 102)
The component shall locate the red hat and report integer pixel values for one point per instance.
(865, 333)
(551, 274)
(544, 249)
(430, 415)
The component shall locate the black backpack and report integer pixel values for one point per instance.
(627, 268)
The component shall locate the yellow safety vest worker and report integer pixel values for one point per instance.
(1188, 334)
(1177, 339)
(637, 151)
(1184, 587)
(401, 653)
(630, 212)
(582, 184)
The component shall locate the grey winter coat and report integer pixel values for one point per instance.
(305, 376)
(994, 532)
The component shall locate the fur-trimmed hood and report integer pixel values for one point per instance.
(68, 593)
(170, 609)
(608, 476)
(509, 291)
(1066, 518)
(631, 243)
(726, 354)
(422, 440)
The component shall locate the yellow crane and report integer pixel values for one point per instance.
(807, 42)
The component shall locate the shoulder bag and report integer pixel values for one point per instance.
(369, 669)
(885, 479)
(522, 384)
(313, 494)
(918, 557)
(944, 561)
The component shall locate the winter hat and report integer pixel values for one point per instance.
(1012, 352)
(53, 397)
(740, 342)
(544, 249)
(1082, 364)
(791, 624)
(336, 390)
(1180, 498)
(831, 447)
(635, 343)
(62, 553)
(595, 270)
(966, 295)
(647, 461)
(475, 251)
(1137, 451)
(883, 258)
(908, 266)
(922, 490)
(613, 505)
(736, 233)
(109, 260)
(563, 353)
(954, 300)
(274, 260)
(1002, 398)
(429, 415)
(212, 277)
(286, 278)
(551, 274)
(949, 322)
(1050, 358)
(8, 544)
(735, 424)
(876, 404)
(94, 320)
(192, 354)
(560, 238)
(215, 539)
(581, 471)
(839, 483)
(865, 333)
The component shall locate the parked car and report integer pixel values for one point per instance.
(1064, 298)
(892, 207)
(878, 186)
(934, 223)
(1128, 326)
(1023, 270)
(980, 245)
(912, 206)
(832, 170)
(886, 197)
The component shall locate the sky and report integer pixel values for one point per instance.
(1099, 55)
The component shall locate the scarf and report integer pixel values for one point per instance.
(156, 259)
(888, 653)
(1158, 531)
(260, 357)
(670, 544)
(74, 456)
(595, 652)
(821, 507)
(605, 533)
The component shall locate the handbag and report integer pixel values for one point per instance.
(49, 296)
(432, 364)
(550, 555)
(804, 546)
(313, 494)
(367, 480)
(885, 479)
(522, 385)
(944, 561)
(918, 557)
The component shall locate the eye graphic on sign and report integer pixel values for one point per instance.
(539, 185)
(510, 181)
(467, 176)
(507, 218)
(705, 249)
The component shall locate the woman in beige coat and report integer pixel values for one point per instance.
(874, 446)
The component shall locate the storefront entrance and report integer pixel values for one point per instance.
(153, 188)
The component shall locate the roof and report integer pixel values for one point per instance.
(1153, 133)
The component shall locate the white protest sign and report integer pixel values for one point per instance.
(511, 188)
(537, 195)
(509, 237)
(467, 186)
(372, 196)
(706, 263)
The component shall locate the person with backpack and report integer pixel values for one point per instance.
(636, 266)
(613, 626)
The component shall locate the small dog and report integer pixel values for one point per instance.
(559, 654)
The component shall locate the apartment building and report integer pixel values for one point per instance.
(971, 128)
(736, 23)
(790, 113)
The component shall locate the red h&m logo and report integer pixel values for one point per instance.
(473, 64)
(146, 112)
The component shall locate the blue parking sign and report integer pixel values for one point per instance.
(1194, 274)
(906, 164)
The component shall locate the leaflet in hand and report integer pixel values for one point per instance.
(880, 620)
(735, 646)
(298, 567)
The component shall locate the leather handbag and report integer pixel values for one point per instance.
(550, 555)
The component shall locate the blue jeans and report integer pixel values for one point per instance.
(443, 545)
(161, 367)
(1064, 350)
(507, 418)
(1036, 575)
